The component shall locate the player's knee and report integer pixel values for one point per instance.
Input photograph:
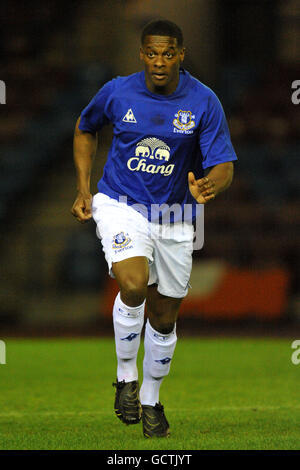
(133, 290)
(164, 327)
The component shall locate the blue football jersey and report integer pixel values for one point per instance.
(158, 139)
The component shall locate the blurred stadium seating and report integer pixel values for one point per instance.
(44, 96)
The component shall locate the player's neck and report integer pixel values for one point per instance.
(161, 90)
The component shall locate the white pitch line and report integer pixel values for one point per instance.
(17, 414)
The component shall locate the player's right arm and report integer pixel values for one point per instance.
(84, 151)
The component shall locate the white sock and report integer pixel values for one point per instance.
(159, 350)
(128, 323)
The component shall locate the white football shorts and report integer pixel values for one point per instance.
(125, 233)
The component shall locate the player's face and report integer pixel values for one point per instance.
(162, 59)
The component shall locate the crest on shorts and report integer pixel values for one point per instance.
(184, 120)
(120, 240)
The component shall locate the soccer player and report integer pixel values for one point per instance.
(169, 128)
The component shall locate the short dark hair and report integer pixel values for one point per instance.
(162, 28)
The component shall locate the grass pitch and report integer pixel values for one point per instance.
(220, 394)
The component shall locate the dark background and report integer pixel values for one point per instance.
(54, 57)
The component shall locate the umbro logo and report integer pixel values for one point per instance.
(129, 117)
(130, 337)
(164, 361)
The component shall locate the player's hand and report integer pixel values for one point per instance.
(82, 207)
(203, 190)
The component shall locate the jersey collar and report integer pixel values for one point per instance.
(183, 76)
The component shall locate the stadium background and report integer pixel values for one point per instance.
(55, 55)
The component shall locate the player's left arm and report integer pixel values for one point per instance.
(217, 153)
(217, 180)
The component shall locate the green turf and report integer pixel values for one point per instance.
(220, 394)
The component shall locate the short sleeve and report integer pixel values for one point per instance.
(96, 113)
(214, 137)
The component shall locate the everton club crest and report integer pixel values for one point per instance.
(121, 240)
(184, 122)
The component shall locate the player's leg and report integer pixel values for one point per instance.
(128, 320)
(173, 263)
(160, 342)
(162, 310)
(123, 234)
(128, 313)
(132, 277)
